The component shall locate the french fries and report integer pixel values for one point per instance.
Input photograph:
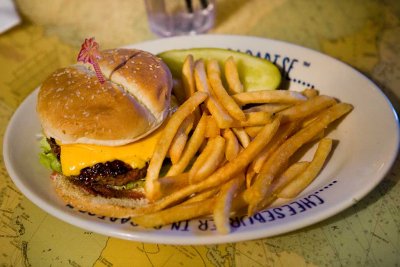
(209, 160)
(306, 108)
(216, 109)
(179, 141)
(232, 77)
(232, 147)
(152, 186)
(252, 131)
(188, 77)
(227, 157)
(213, 74)
(180, 212)
(275, 96)
(212, 128)
(258, 191)
(170, 184)
(290, 173)
(310, 92)
(242, 136)
(283, 133)
(203, 195)
(188, 82)
(225, 172)
(252, 119)
(309, 174)
(223, 203)
(193, 145)
(269, 107)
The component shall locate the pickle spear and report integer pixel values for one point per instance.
(255, 73)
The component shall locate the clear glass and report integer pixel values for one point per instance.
(180, 17)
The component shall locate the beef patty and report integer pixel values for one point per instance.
(101, 178)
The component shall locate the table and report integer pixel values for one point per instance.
(363, 33)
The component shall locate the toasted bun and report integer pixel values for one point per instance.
(111, 207)
(74, 107)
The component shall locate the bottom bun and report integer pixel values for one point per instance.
(85, 201)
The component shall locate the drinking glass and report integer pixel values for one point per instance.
(180, 17)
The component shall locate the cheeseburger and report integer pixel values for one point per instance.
(99, 136)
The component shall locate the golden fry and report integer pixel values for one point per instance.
(307, 108)
(179, 141)
(269, 96)
(223, 203)
(170, 184)
(212, 128)
(259, 118)
(188, 77)
(269, 107)
(213, 75)
(209, 193)
(232, 145)
(309, 174)
(204, 155)
(242, 136)
(177, 213)
(250, 174)
(283, 133)
(219, 113)
(191, 148)
(310, 93)
(252, 131)
(309, 120)
(289, 175)
(213, 157)
(232, 77)
(188, 83)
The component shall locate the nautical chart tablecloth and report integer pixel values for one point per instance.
(362, 33)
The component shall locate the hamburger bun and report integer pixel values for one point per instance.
(74, 107)
(112, 207)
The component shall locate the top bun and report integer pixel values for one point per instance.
(74, 107)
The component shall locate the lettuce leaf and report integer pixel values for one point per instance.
(47, 158)
(130, 185)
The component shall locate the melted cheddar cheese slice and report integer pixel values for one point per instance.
(75, 157)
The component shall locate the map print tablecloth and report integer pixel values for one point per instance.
(364, 34)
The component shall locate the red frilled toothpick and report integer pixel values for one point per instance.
(90, 54)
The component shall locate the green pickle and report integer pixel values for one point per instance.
(255, 73)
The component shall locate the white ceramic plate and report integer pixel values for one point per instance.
(368, 143)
